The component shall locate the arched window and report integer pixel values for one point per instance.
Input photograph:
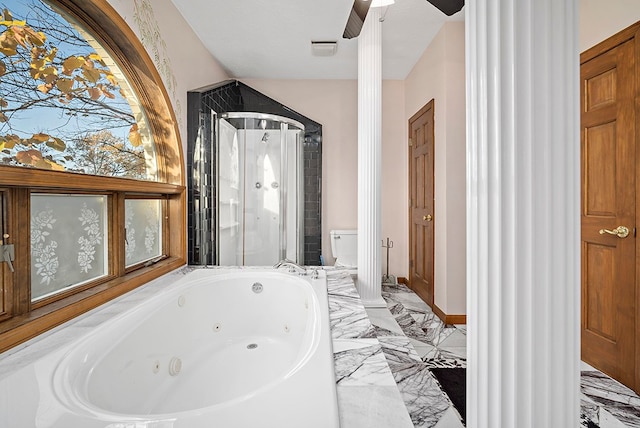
(91, 190)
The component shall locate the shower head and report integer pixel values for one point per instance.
(265, 138)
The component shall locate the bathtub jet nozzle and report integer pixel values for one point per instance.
(175, 365)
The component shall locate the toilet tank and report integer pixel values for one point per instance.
(344, 247)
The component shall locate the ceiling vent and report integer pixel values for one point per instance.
(324, 48)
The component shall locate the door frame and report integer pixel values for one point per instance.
(629, 33)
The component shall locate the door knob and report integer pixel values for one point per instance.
(620, 231)
(427, 217)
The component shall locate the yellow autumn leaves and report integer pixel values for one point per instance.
(17, 34)
(77, 76)
(33, 156)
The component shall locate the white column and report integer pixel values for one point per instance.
(523, 248)
(369, 159)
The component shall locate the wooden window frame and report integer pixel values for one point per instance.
(165, 228)
(7, 295)
(26, 320)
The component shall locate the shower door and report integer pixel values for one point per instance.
(260, 186)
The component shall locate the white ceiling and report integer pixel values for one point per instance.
(271, 39)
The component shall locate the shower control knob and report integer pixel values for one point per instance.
(258, 185)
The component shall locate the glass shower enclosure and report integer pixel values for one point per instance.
(260, 189)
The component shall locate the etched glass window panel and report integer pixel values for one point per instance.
(65, 103)
(143, 228)
(68, 242)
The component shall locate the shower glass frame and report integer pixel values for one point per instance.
(245, 129)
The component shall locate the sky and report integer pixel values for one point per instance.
(51, 121)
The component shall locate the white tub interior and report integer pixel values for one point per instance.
(185, 354)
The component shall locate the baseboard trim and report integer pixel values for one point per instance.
(449, 319)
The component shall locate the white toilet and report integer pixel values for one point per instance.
(344, 247)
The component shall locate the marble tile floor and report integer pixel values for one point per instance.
(414, 340)
(383, 359)
(605, 403)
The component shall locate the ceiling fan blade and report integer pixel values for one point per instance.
(448, 7)
(356, 18)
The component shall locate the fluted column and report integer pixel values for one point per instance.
(523, 248)
(369, 159)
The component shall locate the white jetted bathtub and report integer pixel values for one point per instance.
(222, 348)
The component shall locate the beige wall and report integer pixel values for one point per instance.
(439, 74)
(395, 178)
(601, 19)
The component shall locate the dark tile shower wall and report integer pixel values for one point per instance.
(201, 200)
(235, 96)
(312, 202)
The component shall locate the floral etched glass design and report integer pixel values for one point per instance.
(143, 228)
(68, 242)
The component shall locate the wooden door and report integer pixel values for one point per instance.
(608, 159)
(421, 205)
